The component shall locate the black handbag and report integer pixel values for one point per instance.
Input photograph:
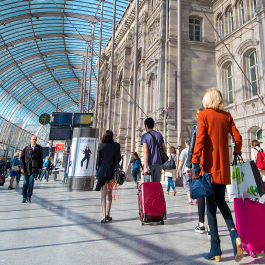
(119, 175)
(200, 186)
(170, 164)
(163, 155)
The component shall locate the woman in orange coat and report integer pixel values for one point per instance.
(211, 151)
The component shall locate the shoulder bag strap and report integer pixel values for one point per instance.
(155, 140)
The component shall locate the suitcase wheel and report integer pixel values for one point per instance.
(165, 216)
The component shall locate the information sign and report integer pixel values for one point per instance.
(84, 119)
(61, 118)
(60, 133)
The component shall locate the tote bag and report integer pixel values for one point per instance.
(246, 181)
(200, 186)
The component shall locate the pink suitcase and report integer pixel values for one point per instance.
(250, 224)
(152, 204)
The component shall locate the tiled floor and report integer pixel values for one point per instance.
(61, 227)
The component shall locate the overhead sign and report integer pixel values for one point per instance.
(61, 119)
(44, 119)
(83, 119)
(58, 147)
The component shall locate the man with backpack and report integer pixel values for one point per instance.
(152, 159)
(258, 155)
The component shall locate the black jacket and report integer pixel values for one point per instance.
(87, 153)
(106, 156)
(191, 146)
(31, 160)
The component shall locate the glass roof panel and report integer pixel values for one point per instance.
(45, 41)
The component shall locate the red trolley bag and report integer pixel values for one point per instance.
(152, 204)
(2, 180)
(250, 224)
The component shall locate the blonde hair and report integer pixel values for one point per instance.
(16, 154)
(2, 158)
(213, 99)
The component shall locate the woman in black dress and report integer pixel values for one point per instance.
(109, 155)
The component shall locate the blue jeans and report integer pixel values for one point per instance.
(28, 185)
(44, 174)
(134, 174)
(170, 183)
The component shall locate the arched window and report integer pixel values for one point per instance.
(254, 6)
(231, 20)
(242, 13)
(253, 73)
(229, 82)
(195, 29)
(222, 27)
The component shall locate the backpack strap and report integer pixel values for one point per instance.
(258, 150)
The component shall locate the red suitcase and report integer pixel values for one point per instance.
(2, 180)
(152, 204)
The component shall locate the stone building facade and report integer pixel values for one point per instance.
(208, 28)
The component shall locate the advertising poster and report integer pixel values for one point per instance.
(82, 156)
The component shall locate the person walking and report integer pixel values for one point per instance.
(31, 164)
(152, 158)
(183, 169)
(108, 156)
(136, 167)
(14, 170)
(200, 228)
(211, 152)
(254, 153)
(171, 173)
(45, 169)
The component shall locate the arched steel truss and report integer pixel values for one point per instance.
(42, 47)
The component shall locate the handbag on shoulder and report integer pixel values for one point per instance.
(170, 164)
(200, 186)
(163, 155)
(14, 168)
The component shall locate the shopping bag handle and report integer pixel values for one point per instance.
(201, 172)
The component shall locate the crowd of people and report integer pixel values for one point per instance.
(206, 150)
(30, 164)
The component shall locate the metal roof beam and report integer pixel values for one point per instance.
(42, 36)
(92, 19)
(39, 72)
(43, 54)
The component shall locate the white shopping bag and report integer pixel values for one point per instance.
(243, 182)
(232, 190)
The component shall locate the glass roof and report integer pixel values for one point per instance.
(42, 46)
